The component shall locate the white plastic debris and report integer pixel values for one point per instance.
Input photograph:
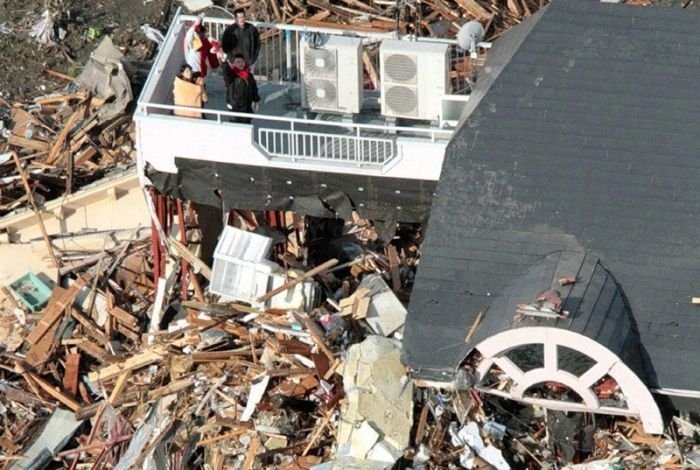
(257, 390)
(153, 34)
(43, 30)
(494, 457)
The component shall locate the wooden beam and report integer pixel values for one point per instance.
(33, 144)
(40, 221)
(46, 387)
(345, 27)
(53, 311)
(70, 379)
(298, 280)
(61, 139)
(184, 252)
(142, 359)
(119, 387)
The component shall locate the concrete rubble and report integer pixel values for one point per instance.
(376, 423)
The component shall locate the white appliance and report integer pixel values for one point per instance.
(331, 72)
(414, 78)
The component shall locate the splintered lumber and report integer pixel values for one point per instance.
(30, 195)
(344, 27)
(142, 359)
(55, 309)
(172, 387)
(70, 379)
(34, 379)
(61, 139)
(93, 350)
(60, 75)
(307, 275)
(474, 9)
(119, 387)
(253, 450)
(184, 252)
(90, 327)
(336, 10)
(370, 69)
(394, 263)
(32, 144)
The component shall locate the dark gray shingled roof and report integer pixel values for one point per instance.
(587, 141)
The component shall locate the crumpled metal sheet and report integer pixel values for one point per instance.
(105, 76)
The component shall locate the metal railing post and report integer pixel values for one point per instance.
(293, 142)
(288, 48)
(358, 148)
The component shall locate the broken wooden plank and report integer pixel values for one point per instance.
(95, 351)
(184, 252)
(62, 136)
(32, 144)
(70, 379)
(60, 75)
(137, 361)
(119, 387)
(371, 70)
(394, 263)
(298, 280)
(90, 327)
(329, 25)
(53, 311)
(46, 387)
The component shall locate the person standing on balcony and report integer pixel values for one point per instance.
(241, 38)
(241, 89)
(189, 90)
(200, 52)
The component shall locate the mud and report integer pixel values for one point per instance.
(23, 60)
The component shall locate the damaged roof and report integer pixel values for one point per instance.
(585, 142)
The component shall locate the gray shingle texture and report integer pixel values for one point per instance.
(587, 141)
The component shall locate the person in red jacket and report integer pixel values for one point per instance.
(241, 89)
(200, 52)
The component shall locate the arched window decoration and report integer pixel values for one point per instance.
(564, 370)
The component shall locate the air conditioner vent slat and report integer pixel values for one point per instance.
(320, 63)
(401, 68)
(321, 94)
(402, 100)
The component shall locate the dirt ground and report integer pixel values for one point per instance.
(23, 60)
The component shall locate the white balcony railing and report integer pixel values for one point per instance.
(295, 145)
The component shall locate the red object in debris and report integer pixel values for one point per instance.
(550, 296)
(607, 388)
(556, 387)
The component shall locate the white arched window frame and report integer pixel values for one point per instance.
(640, 402)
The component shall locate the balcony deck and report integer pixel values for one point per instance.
(282, 134)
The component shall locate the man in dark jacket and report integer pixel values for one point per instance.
(241, 38)
(241, 89)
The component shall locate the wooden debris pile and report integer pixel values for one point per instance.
(62, 143)
(440, 18)
(464, 429)
(203, 382)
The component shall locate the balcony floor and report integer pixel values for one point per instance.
(284, 100)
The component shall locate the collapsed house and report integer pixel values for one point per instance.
(559, 264)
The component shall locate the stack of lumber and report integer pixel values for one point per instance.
(423, 18)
